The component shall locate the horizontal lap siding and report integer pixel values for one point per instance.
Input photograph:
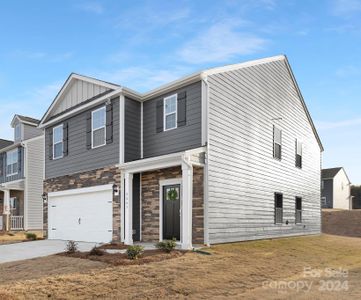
(80, 158)
(180, 139)
(243, 175)
(34, 184)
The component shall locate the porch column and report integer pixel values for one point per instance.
(7, 209)
(187, 199)
(128, 209)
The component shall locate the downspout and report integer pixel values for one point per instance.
(187, 206)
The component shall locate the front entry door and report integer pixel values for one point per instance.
(171, 212)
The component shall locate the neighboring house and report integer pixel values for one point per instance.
(335, 189)
(356, 196)
(21, 177)
(223, 155)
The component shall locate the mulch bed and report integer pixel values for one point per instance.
(119, 259)
(113, 246)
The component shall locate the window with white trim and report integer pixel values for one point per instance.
(298, 154)
(277, 142)
(170, 112)
(99, 127)
(17, 132)
(12, 162)
(58, 142)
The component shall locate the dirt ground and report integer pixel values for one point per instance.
(270, 269)
(15, 237)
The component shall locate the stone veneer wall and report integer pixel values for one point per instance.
(108, 175)
(150, 202)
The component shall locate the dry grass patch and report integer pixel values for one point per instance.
(232, 271)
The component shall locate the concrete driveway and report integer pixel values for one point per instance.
(28, 250)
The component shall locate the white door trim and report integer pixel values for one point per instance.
(163, 183)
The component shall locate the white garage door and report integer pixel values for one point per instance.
(81, 214)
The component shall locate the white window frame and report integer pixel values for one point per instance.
(17, 127)
(168, 114)
(62, 142)
(276, 143)
(105, 127)
(16, 151)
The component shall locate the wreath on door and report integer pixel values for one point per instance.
(172, 195)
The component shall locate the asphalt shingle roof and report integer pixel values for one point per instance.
(330, 173)
(28, 119)
(5, 143)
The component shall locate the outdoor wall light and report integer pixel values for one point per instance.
(45, 197)
(115, 189)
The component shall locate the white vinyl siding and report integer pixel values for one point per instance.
(243, 175)
(17, 132)
(34, 173)
(170, 112)
(58, 142)
(98, 127)
(12, 162)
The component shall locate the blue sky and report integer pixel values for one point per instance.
(142, 44)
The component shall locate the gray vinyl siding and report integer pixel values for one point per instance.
(31, 132)
(19, 175)
(34, 184)
(79, 157)
(327, 192)
(179, 139)
(243, 175)
(132, 130)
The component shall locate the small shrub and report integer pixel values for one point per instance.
(71, 247)
(96, 251)
(31, 236)
(133, 252)
(167, 246)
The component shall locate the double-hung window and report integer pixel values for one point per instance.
(298, 210)
(278, 208)
(98, 127)
(277, 142)
(170, 112)
(58, 142)
(17, 134)
(12, 162)
(298, 154)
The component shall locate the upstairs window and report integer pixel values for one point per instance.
(298, 154)
(277, 143)
(12, 162)
(278, 208)
(58, 142)
(99, 127)
(17, 133)
(170, 112)
(298, 216)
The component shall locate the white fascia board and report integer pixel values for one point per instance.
(16, 117)
(80, 108)
(78, 191)
(11, 147)
(243, 65)
(95, 81)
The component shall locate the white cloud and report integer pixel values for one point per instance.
(348, 71)
(143, 79)
(32, 104)
(346, 7)
(92, 7)
(40, 55)
(321, 125)
(221, 42)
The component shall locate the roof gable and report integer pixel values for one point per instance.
(76, 90)
(330, 173)
(25, 120)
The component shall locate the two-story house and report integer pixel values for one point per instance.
(335, 189)
(223, 155)
(21, 176)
